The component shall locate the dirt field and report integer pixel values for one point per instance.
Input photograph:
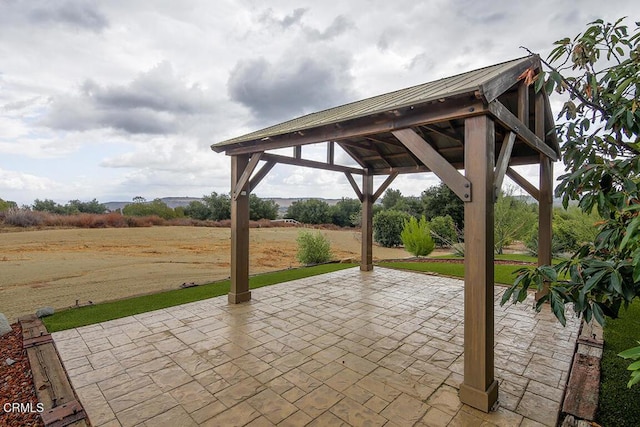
(56, 267)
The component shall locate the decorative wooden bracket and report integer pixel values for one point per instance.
(244, 178)
(435, 162)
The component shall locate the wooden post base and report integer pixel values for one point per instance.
(238, 298)
(366, 267)
(479, 399)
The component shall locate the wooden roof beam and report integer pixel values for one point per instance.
(309, 163)
(366, 126)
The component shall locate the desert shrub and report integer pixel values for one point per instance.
(23, 218)
(387, 226)
(313, 248)
(458, 249)
(416, 237)
(115, 219)
(443, 231)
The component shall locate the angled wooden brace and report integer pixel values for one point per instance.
(375, 195)
(244, 178)
(503, 161)
(435, 162)
(264, 170)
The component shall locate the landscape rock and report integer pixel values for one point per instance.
(9, 361)
(5, 328)
(45, 311)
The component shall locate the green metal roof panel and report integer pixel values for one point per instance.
(468, 82)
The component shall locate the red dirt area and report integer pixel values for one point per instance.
(16, 383)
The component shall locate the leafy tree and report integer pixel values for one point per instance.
(5, 205)
(197, 210)
(262, 209)
(219, 205)
(571, 229)
(387, 227)
(94, 207)
(312, 211)
(441, 201)
(514, 219)
(443, 231)
(599, 71)
(392, 199)
(313, 248)
(156, 207)
(47, 205)
(342, 213)
(416, 237)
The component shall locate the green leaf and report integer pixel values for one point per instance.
(616, 281)
(631, 353)
(634, 366)
(635, 378)
(594, 280)
(598, 314)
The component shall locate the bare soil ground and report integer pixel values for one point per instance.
(56, 267)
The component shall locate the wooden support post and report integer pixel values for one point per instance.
(366, 262)
(545, 201)
(479, 389)
(239, 291)
(331, 152)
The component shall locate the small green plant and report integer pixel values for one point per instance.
(416, 237)
(633, 354)
(313, 248)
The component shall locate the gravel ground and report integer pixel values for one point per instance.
(16, 382)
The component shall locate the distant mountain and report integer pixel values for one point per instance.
(172, 202)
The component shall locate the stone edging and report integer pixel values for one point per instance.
(580, 401)
(53, 388)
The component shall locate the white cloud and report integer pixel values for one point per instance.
(123, 98)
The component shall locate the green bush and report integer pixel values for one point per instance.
(313, 248)
(387, 227)
(443, 231)
(416, 237)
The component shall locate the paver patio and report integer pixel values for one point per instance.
(347, 348)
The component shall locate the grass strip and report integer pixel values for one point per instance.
(619, 406)
(503, 273)
(88, 315)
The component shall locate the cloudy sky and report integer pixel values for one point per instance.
(122, 98)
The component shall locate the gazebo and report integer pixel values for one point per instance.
(483, 122)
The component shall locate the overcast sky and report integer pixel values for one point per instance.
(117, 99)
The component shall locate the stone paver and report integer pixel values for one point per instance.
(347, 348)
